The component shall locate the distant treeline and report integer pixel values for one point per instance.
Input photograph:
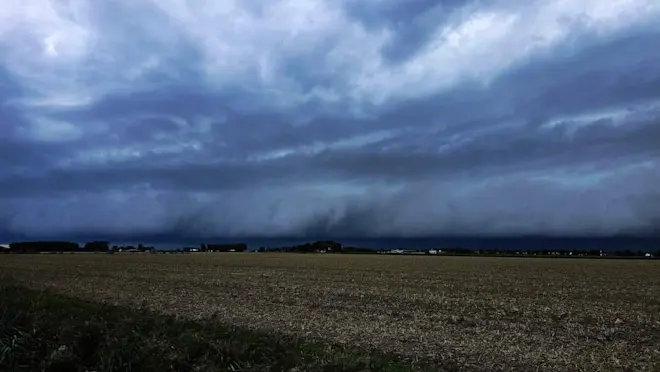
(235, 247)
(131, 248)
(103, 246)
(325, 246)
(560, 252)
(334, 247)
(231, 247)
(56, 247)
(542, 253)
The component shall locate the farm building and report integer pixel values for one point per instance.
(327, 246)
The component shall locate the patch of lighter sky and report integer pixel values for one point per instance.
(122, 154)
(232, 36)
(614, 116)
(65, 100)
(344, 189)
(586, 176)
(318, 147)
(151, 63)
(237, 42)
(489, 41)
(54, 50)
(185, 126)
(243, 44)
(59, 33)
(574, 123)
(47, 130)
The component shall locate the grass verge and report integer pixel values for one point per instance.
(41, 331)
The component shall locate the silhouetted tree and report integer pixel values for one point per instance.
(96, 246)
(43, 246)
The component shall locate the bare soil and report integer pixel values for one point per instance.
(470, 313)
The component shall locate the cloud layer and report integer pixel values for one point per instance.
(339, 118)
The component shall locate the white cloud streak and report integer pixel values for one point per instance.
(58, 47)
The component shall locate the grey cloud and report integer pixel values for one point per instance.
(25, 157)
(618, 204)
(145, 129)
(485, 206)
(412, 22)
(503, 151)
(472, 158)
(605, 74)
(10, 118)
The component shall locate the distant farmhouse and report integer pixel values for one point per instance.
(327, 246)
(132, 249)
(235, 247)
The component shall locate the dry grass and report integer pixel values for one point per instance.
(462, 312)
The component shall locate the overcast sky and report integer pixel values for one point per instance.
(338, 117)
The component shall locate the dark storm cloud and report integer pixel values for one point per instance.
(601, 144)
(413, 21)
(10, 117)
(622, 71)
(372, 119)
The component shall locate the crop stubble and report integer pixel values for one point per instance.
(469, 312)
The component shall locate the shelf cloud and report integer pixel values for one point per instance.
(365, 118)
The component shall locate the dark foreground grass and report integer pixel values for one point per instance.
(40, 331)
